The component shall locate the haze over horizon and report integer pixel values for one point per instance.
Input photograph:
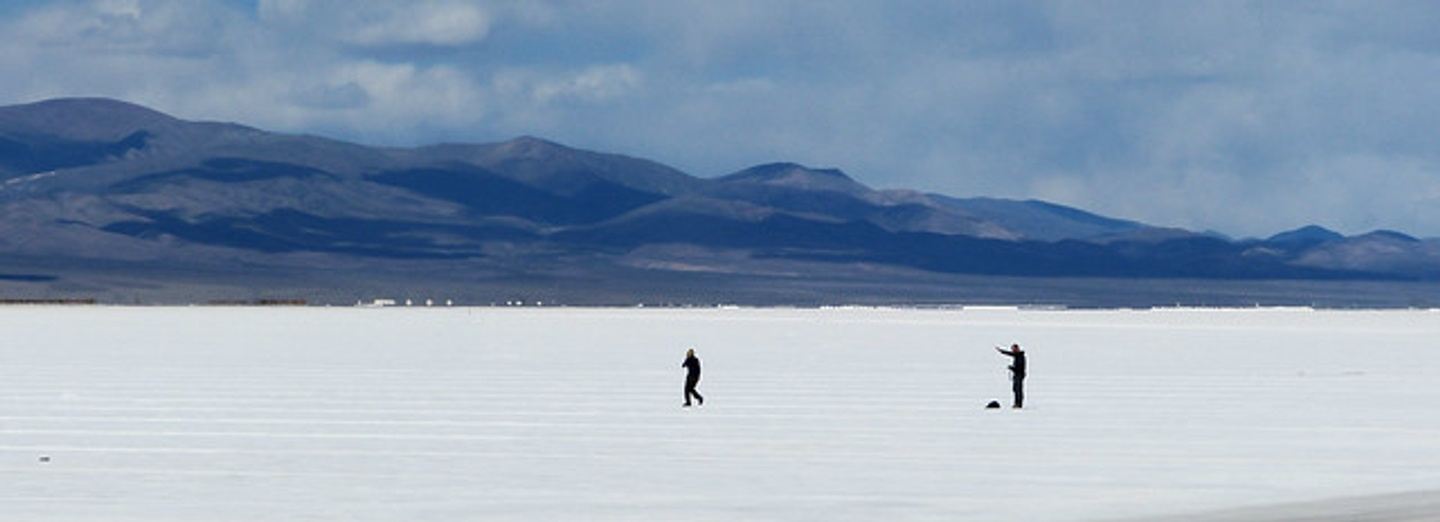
(1246, 118)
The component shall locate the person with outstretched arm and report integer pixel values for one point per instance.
(692, 377)
(1017, 372)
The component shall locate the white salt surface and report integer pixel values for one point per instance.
(501, 414)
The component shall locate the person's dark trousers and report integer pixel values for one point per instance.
(1018, 385)
(690, 390)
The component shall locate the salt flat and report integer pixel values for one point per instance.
(849, 414)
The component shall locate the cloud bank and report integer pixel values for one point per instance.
(1242, 117)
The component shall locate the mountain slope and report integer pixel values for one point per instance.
(559, 169)
(94, 182)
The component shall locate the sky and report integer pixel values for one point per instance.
(1246, 118)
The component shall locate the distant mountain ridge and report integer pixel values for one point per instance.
(92, 181)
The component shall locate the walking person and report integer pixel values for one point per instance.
(692, 377)
(1017, 372)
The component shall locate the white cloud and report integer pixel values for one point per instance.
(156, 27)
(408, 92)
(123, 8)
(597, 83)
(425, 22)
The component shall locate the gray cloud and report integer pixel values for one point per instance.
(1245, 117)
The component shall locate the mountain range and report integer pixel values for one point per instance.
(106, 198)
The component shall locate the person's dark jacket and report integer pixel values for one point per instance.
(692, 367)
(1018, 366)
